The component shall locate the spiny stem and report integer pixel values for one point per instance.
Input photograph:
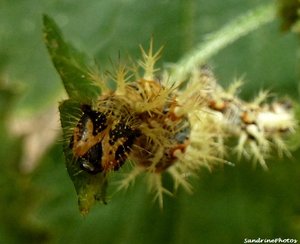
(222, 38)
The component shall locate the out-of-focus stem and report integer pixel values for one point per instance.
(222, 38)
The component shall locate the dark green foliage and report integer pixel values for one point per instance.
(289, 12)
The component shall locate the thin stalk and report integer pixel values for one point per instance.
(218, 40)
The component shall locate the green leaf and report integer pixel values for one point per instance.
(74, 72)
(69, 63)
(89, 188)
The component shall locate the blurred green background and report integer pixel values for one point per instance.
(38, 202)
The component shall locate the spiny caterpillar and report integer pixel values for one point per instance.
(161, 125)
(257, 124)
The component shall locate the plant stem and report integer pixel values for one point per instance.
(222, 38)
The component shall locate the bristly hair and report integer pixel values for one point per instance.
(176, 128)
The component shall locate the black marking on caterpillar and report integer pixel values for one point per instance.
(98, 146)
